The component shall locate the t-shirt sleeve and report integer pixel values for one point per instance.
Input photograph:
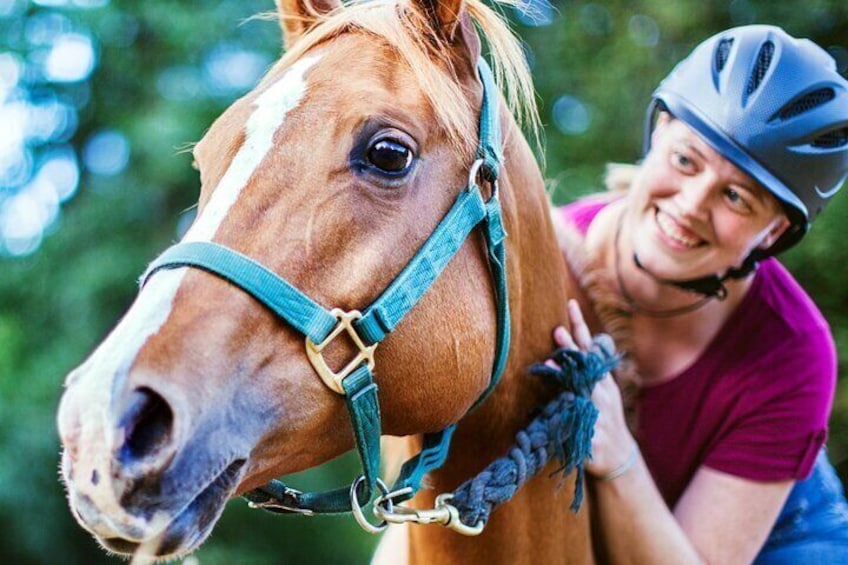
(778, 422)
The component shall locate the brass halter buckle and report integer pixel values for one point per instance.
(316, 357)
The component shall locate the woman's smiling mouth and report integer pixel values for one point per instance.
(672, 230)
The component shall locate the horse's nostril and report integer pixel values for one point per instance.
(146, 424)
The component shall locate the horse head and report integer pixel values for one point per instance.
(332, 173)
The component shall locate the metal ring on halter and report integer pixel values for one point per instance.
(475, 171)
(387, 498)
(356, 509)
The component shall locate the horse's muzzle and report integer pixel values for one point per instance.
(141, 476)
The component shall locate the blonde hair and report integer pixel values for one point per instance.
(619, 176)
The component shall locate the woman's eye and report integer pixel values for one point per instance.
(681, 161)
(390, 156)
(735, 198)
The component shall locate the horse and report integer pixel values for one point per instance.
(332, 174)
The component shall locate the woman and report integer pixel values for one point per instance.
(732, 367)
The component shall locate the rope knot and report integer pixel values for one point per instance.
(563, 429)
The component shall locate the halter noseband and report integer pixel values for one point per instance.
(368, 328)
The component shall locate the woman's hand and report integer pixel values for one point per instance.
(613, 447)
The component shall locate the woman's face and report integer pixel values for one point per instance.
(692, 213)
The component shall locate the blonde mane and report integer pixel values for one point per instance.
(411, 35)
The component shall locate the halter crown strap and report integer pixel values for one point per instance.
(489, 146)
(317, 323)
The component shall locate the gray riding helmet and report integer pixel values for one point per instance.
(775, 106)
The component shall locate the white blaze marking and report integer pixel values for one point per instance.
(153, 305)
(271, 108)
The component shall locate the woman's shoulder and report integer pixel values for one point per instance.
(776, 343)
(580, 213)
(779, 331)
(786, 304)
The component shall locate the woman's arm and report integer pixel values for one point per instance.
(720, 518)
(728, 518)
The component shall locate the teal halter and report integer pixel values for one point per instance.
(367, 329)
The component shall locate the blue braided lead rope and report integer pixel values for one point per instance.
(563, 430)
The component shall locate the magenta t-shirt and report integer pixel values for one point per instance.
(755, 404)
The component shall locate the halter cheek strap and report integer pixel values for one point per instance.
(320, 326)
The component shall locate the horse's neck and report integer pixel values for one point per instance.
(538, 290)
(536, 525)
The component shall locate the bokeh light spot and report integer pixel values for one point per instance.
(90, 3)
(181, 82)
(22, 223)
(42, 28)
(596, 19)
(60, 168)
(119, 29)
(15, 119)
(571, 115)
(230, 69)
(11, 69)
(643, 30)
(71, 59)
(15, 167)
(106, 153)
(50, 119)
(11, 8)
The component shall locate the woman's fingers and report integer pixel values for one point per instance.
(563, 338)
(579, 337)
(612, 442)
(578, 326)
(611, 437)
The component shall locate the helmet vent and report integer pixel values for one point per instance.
(760, 68)
(832, 139)
(722, 53)
(806, 102)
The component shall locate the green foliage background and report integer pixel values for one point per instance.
(56, 304)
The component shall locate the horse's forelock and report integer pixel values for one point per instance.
(411, 35)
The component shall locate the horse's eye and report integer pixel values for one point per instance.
(390, 156)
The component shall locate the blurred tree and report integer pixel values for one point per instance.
(97, 101)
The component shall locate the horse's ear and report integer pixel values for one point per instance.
(467, 33)
(298, 16)
(444, 15)
(452, 22)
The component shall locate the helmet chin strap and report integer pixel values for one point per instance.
(710, 286)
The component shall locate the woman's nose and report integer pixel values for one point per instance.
(696, 193)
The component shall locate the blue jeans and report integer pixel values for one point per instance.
(813, 525)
